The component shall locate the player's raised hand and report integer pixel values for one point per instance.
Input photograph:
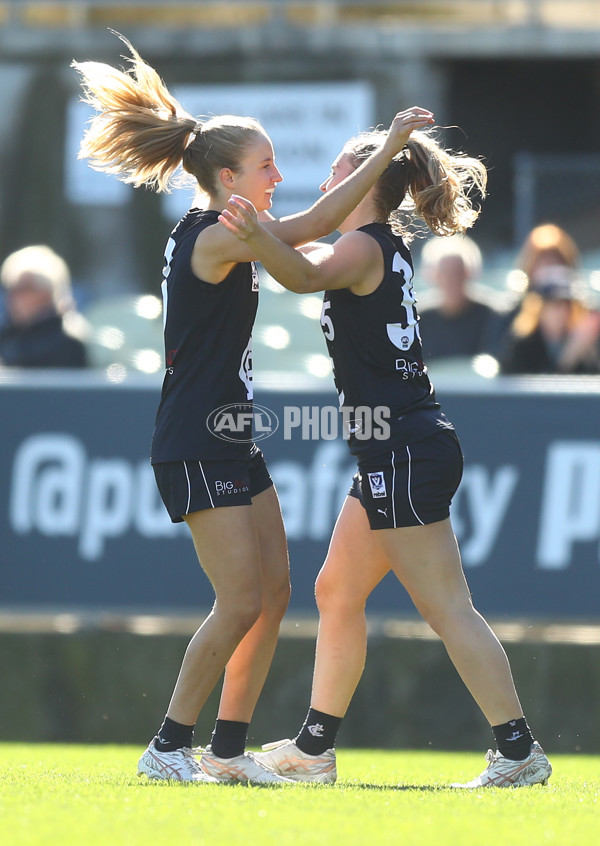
(240, 217)
(404, 124)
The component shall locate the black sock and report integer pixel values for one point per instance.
(514, 739)
(318, 732)
(172, 736)
(229, 738)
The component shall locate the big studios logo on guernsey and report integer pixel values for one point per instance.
(242, 422)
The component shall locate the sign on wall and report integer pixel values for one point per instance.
(308, 122)
(82, 524)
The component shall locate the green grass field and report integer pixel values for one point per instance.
(90, 795)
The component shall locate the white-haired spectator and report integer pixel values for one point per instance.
(459, 317)
(43, 328)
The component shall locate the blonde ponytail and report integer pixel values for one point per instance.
(440, 183)
(140, 131)
(426, 181)
(142, 134)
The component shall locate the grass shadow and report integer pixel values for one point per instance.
(362, 785)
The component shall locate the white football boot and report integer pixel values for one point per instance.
(284, 757)
(180, 765)
(241, 768)
(503, 772)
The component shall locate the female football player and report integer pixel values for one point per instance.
(396, 516)
(220, 487)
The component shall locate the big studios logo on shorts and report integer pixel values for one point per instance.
(242, 422)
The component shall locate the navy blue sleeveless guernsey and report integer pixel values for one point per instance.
(208, 351)
(376, 350)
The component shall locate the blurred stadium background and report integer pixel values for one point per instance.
(515, 81)
(520, 78)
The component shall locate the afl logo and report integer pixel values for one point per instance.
(242, 422)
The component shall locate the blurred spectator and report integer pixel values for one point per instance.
(43, 329)
(553, 331)
(546, 245)
(458, 316)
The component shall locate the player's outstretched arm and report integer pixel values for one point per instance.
(324, 216)
(324, 267)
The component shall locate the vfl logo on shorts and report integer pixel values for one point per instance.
(377, 483)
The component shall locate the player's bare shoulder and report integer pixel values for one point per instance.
(364, 253)
(212, 257)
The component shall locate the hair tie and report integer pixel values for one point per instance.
(193, 133)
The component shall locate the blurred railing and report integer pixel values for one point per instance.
(311, 13)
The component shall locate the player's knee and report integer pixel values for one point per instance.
(246, 618)
(443, 616)
(241, 612)
(332, 596)
(276, 598)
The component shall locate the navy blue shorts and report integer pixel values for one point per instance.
(188, 486)
(412, 485)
